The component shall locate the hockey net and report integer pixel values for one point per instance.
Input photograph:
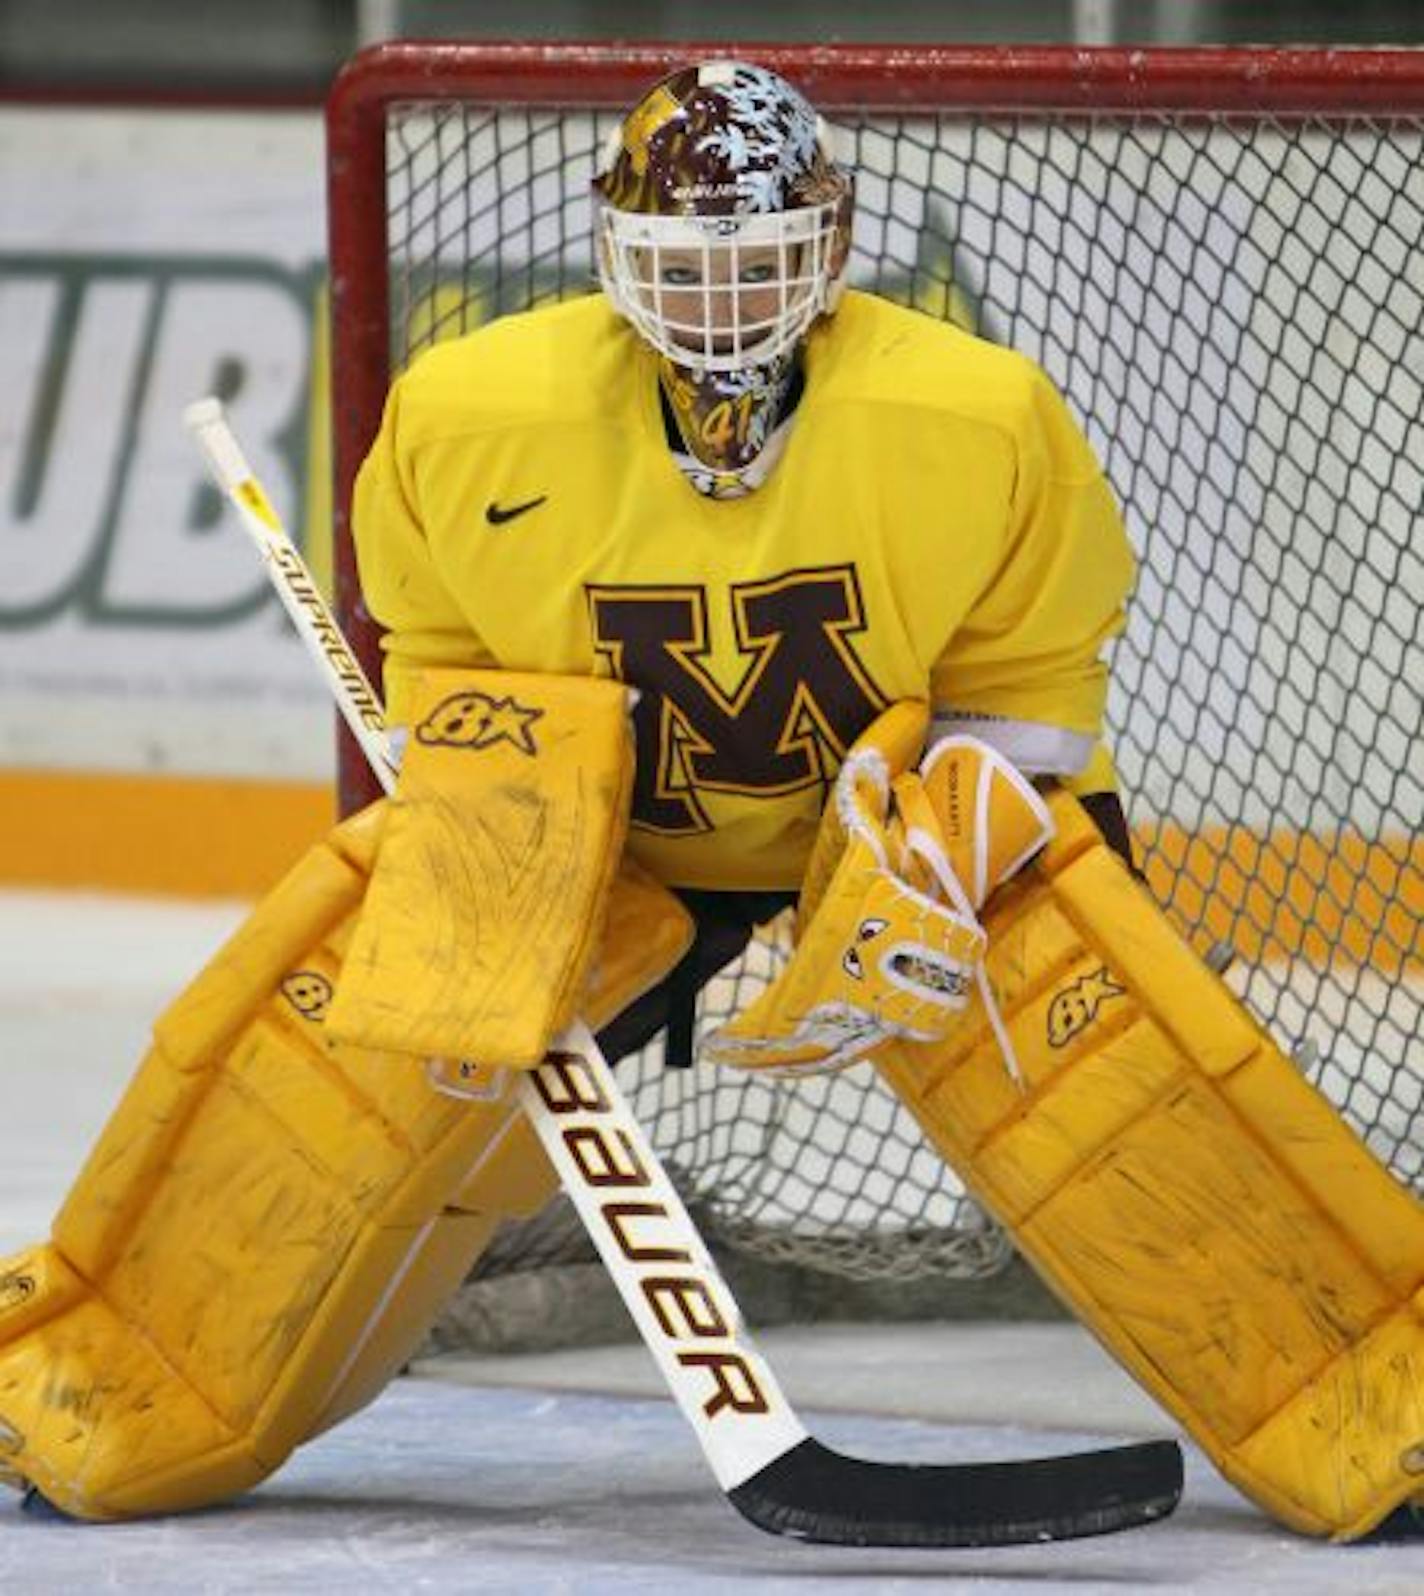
(1216, 256)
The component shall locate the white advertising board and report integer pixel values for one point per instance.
(147, 258)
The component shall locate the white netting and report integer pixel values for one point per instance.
(1233, 309)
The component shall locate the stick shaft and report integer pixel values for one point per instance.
(357, 700)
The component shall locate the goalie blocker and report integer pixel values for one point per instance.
(1201, 1208)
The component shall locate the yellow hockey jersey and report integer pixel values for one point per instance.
(936, 528)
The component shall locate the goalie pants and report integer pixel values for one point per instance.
(724, 923)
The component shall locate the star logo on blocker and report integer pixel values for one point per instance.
(509, 722)
(475, 720)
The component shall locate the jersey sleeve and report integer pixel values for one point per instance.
(1028, 658)
(402, 586)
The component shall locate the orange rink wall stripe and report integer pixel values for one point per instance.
(1323, 896)
(173, 835)
(1317, 895)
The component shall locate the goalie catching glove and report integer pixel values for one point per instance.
(890, 944)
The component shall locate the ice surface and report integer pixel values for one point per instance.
(83, 976)
(446, 1488)
(566, 1472)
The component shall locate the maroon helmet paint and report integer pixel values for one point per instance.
(722, 139)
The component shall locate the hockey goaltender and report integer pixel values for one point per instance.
(720, 590)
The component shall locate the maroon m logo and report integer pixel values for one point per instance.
(803, 697)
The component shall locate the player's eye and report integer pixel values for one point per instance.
(681, 276)
(755, 274)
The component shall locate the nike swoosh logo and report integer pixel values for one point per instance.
(497, 514)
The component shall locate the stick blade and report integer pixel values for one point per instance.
(814, 1494)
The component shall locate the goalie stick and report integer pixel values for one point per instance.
(777, 1476)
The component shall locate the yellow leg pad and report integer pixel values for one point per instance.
(1200, 1207)
(647, 932)
(512, 1180)
(84, 1398)
(260, 1236)
(415, 1297)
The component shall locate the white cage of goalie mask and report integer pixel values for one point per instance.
(710, 326)
(1215, 255)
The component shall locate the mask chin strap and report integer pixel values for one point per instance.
(728, 429)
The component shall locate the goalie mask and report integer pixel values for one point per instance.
(723, 229)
